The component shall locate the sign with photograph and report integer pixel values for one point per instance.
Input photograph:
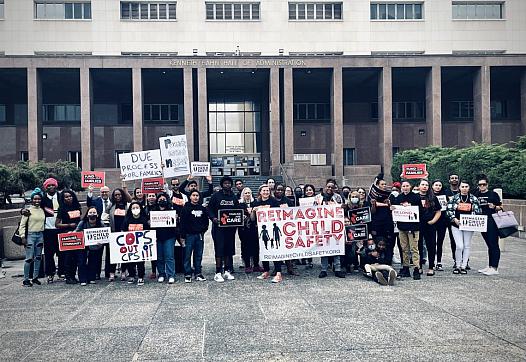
(360, 216)
(230, 217)
(356, 232)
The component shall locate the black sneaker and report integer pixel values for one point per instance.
(339, 274)
(323, 274)
(416, 274)
(468, 267)
(456, 271)
(463, 271)
(380, 277)
(36, 281)
(71, 281)
(439, 267)
(27, 283)
(404, 272)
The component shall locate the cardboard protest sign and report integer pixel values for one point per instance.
(230, 217)
(200, 168)
(139, 165)
(414, 171)
(443, 202)
(96, 236)
(300, 232)
(406, 213)
(163, 219)
(174, 152)
(356, 232)
(93, 178)
(473, 223)
(152, 185)
(133, 246)
(70, 241)
(360, 216)
(307, 201)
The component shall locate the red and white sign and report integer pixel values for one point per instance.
(71, 241)
(152, 185)
(93, 178)
(414, 171)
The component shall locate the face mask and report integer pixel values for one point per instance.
(345, 194)
(92, 217)
(136, 212)
(395, 193)
(163, 203)
(354, 200)
(371, 247)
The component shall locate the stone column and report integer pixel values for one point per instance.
(337, 120)
(288, 110)
(86, 129)
(137, 110)
(189, 111)
(34, 110)
(481, 105)
(385, 120)
(523, 102)
(202, 113)
(434, 106)
(275, 139)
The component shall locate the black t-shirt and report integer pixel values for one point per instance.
(135, 224)
(486, 198)
(428, 208)
(411, 199)
(69, 215)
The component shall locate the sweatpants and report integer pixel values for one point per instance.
(463, 246)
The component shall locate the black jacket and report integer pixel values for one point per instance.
(220, 201)
(194, 219)
(414, 200)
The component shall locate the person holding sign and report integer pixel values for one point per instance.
(442, 223)
(248, 234)
(69, 216)
(192, 185)
(408, 232)
(381, 218)
(490, 204)
(429, 215)
(165, 243)
(94, 252)
(117, 212)
(462, 203)
(31, 229)
(135, 220)
(224, 237)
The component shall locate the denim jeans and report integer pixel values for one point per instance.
(35, 243)
(165, 258)
(194, 243)
(325, 263)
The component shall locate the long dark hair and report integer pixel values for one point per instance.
(98, 223)
(129, 215)
(168, 205)
(75, 204)
(123, 198)
(429, 195)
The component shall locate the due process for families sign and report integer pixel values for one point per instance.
(133, 246)
(416, 170)
(70, 241)
(300, 232)
(473, 223)
(230, 217)
(139, 165)
(92, 178)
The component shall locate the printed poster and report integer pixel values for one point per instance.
(174, 153)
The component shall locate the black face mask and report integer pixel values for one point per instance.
(92, 217)
(163, 203)
(345, 194)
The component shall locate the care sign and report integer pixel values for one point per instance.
(96, 236)
(356, 232)
(443, 201)
(230, 217)
(360, 216)
(133, 246)
(174, 151)
(163, 219)
(414, 171)
(405, 213)
(473, 223)
(200, 168)
(300, 232)
(152, 185)
(139, 165)
(70, 241)
(93, 178)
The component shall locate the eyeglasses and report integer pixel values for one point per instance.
(361, 192)
(483, 184)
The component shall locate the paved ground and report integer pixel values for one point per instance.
(446, 317)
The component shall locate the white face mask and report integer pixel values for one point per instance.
(136, 212)
(395, 193)
(354, 200)
(371, 247)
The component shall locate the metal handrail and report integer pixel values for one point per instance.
(286, 176)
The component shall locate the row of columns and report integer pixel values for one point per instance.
(481, 98)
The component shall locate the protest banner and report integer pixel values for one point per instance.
(405, 213)
(96, 236)
(200, 168)
(163, 219)
(414, 171)
(139, 165)
(152, 185)
(356, 232)
(230, 218)
(70, 241)
(360, 216)
(174, 152)
(133, 246)
(443, 202)
(307, 201)
(93, 178)
(473, 223)
(300, 232)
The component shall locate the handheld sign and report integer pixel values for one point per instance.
(174, 152)
(307, 201)
(443, 202)
(473, 223)
(96, 236)
(230, 217)
(70, 241)
(133, 246)
(200, 168)
(152, 185)
(360, 216)
(406, 213)
(414, 171)
(92, 178)
(139, 165)
(356, 232)
(163, 219)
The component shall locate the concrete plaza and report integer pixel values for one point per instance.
(446, 317)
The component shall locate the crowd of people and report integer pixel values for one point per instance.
(419, 244)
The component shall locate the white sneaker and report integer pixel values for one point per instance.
(396, 259)
(491, 271)
(2, 274)
(219, 278)
(160, 279)
(83, 284)
(170, 280)
(484, 270)
(228, 276)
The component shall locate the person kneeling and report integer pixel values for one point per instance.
(376, 265)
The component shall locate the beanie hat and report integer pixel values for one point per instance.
(50, 181)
